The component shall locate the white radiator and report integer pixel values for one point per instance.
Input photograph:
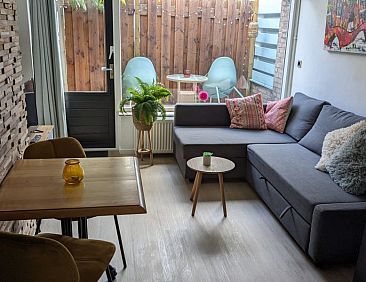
(161, 137)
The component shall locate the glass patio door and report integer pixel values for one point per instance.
(87, 44)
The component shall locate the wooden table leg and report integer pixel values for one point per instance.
(178, 92)
(138, 143)
(194, 86)
(142, 145)
(194, 187)
(195, 198)
(221, 180)
(150, 147)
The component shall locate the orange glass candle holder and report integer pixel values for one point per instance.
(73, 172)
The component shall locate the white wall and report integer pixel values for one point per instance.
(336, 77)
(24, 39)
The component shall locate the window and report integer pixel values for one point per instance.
(184, 35)
(266, 43)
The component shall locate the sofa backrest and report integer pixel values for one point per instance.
(201, 115)
(329, 119)
(304, 112)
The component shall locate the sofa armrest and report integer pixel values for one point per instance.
(201, 115)
(360, 273)
(336, 232)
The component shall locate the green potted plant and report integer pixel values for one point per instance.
(146, 103)
(207, 158)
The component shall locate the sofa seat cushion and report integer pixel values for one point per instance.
(223, 141)
(290, 169)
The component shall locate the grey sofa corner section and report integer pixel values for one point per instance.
(290, 168)
(329, 119)
(303, 115)
(324, 220)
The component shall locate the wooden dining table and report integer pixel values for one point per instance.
(35, 189)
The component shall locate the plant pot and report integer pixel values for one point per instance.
(187, 73)
(206, 160)
(140, 124)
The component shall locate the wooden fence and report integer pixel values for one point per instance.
(175, 34)
(84, 49)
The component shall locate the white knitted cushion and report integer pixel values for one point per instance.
(335, 139)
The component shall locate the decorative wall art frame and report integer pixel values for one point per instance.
(346, 26)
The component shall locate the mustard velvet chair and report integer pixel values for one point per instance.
(51, 257)
(66, 147)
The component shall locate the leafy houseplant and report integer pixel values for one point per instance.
(147, 103)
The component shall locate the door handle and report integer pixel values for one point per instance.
(110, 70)
(106, 69)
(111, 52)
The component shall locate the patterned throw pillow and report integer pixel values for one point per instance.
(347, 167)
(336, 138)
(277, 113)
(247, 112)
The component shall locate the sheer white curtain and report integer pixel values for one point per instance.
(48, 73)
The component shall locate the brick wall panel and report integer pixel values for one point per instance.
(13, 123)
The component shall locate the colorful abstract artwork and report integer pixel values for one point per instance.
(346, 26)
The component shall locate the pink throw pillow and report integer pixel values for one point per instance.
(277, 113)
(246, 112)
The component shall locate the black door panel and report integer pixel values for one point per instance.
(91, 115)
(90, 119)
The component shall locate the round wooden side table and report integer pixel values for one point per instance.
(218, 166)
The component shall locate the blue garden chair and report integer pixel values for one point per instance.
(222, 79)
(140, 67)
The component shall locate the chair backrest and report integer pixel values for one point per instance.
(29, 258)
(66, 147)
(140, 67)
(222, 70)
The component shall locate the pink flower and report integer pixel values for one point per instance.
(203, 95)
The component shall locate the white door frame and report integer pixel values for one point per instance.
(117, 67)
(291, 48)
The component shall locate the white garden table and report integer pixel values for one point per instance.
(193, 79)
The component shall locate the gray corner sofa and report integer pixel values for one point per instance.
(326, 222)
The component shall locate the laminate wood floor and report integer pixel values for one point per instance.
(167, 244)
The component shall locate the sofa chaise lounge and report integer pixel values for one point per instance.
(326, 222)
